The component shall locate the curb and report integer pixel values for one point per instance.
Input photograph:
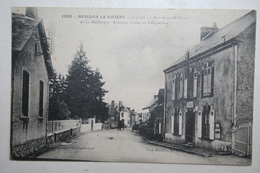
(180, 149)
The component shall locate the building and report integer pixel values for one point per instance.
(31, 72)
(156, 107)
(124, 114)
(113, 115)
(209, 90)
(133, 117)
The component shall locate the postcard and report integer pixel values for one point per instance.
(133, 85)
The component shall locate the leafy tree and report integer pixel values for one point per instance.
(84, 93)
(58, 109)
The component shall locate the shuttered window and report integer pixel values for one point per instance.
(172, 123)
(207, 79)
(212, 125)
(180, 123)
(195, 84)
(25, 93)
(185, 87)
(208, 123)
(41, 98)
(173, 89)
(199, 130)
(181, 86)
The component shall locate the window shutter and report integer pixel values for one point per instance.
(173, 89)
(211, 125)
(181, 85)
(180, 123)
(195, 84)
(185, 87)
(212, 81)
(160, 128)
(209, 81)
(172, 124)
(199, 130)
(205, 84)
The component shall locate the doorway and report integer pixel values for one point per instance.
(190, 126)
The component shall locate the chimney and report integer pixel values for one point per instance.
(120, 103)
(112, 104)
(206, 31)
(31, 12)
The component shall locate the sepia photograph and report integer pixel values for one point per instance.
(132, 85)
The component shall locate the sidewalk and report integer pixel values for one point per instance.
(187, 149)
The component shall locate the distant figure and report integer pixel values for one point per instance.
(121, 124)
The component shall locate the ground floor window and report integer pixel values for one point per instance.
(205, 122)
(176, 123)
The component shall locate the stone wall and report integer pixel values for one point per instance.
(32, 148)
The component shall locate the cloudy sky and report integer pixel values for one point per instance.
(132, 52)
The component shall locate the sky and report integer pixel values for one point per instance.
(130, 47)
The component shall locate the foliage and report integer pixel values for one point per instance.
(84, 93)
(58, 109)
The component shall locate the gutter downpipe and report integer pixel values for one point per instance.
(165, 103)
(234, 96)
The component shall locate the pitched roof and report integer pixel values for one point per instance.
(225, 34)
(152, 103)
(22, 30)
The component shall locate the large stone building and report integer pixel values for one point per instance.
(31, 71)
(209, 90)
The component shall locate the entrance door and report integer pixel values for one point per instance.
(190, 126)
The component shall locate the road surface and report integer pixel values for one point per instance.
(126, 146)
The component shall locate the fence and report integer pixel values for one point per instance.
(91, 127)
(59, 125)
(243, 141)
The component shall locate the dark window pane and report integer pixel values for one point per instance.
(41, 99)
(25, 95)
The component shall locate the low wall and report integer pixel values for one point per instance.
(106, 126)
(87, 127)
(59, 125)
(35, 147)
(29, 148)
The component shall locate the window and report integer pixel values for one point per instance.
(172, 123)
(173, 89)
(176, 121)
(185, 87)
(41, 99)
(181, 86)
(199, 131)
(190, 82)
(207, 79)
(195, 83)
(25, 94)
(178, 86)
(205, 122)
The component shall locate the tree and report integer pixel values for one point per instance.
(58, 109)
(84, 93)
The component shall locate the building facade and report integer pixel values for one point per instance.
(156, 107)
(31, 71)
(113, 115)
(209, 90)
